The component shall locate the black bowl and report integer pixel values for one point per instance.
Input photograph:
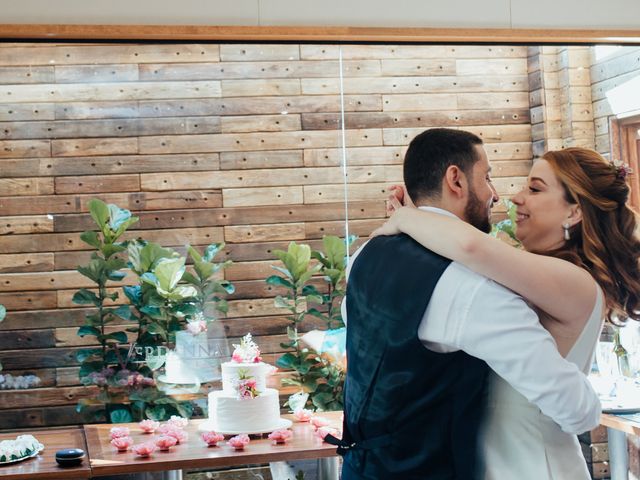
(69, 457)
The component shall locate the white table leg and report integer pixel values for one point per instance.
(329, 468)
(618, 454)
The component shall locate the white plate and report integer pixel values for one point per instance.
(15, 460)
(210, 425)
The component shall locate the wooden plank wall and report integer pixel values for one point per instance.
(207, 143)
(613, 68)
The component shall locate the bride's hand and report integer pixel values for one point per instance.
(398, 197)
(392, 225)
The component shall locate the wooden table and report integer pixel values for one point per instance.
(105, 460)
(617, 428)
(44, 465)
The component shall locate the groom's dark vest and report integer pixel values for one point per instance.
(410, 413)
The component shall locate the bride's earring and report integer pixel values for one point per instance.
(567, 235)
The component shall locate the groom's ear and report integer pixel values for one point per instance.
(455, 181)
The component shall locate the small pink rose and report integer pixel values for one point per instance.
(236, 357)
(239, 441)
(165, 442)
(318, 422)
(177, 421)
(212, 438)
(148, 426)
(322, 432)
(122, 444)
(172, 431)
(302, 415)
(197, 327)
(144, 449)
(117, 432)
(281, 436)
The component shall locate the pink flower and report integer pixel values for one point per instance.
(122, 443)
(177, 421)
(257, 359)
(281, 436)
(236, 357)
(173, 431)
(148, 426)
(117, 432)
(212, 438)
(239, 441)
(165, 442)
(195, 328)
(318, 422)
(144, 449)
(324, 431)
(302, 415)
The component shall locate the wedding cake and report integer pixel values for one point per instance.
(194, 360)
(245, 404)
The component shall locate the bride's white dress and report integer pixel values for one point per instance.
(521, 443)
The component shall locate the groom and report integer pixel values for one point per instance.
(422, 333)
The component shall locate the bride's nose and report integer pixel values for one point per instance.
(518, 198)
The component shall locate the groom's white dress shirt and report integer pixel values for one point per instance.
(469, 312)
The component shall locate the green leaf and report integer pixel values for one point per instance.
(91, 238)
(168, 271)
(314, 299)
(190, 278)
(157, 413)
(111, 249)
(222, 306)
(287, 361)
(133, 293)
(84, 354)
(120, 415)
(117, 216)
(283, 271)
(93, 270)
(123, 311)
(89, 367)
(279, 281)
(212, 250)
(116, 276)
(99, 212)
(85, 297)
(3, 312)
(88, 330)
(334, 249)
(281, 302)
(119, 337)
(156, 329)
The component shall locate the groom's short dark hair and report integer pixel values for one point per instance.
(430, 154)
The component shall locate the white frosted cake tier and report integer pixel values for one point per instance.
(231, 371)
(229, 414)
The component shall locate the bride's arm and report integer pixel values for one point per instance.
(560, 288)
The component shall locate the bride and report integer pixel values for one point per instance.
(579, 265)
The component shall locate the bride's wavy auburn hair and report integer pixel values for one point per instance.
(605, 241)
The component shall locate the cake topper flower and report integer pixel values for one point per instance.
(246, 386)
(149, 426)
(247, 351)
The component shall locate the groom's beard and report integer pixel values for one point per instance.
(477, 213)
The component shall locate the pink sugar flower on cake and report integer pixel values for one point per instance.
(178, 421)
(117, 432)
(122, 444)
(318, 422)
(212, 438)
(239, 441)
(247, 351)
(281, 436)
(149, 426)
(322, 432)
(165, 442)
(144, 449)
(302, 415)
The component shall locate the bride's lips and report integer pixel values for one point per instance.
(521, 217)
